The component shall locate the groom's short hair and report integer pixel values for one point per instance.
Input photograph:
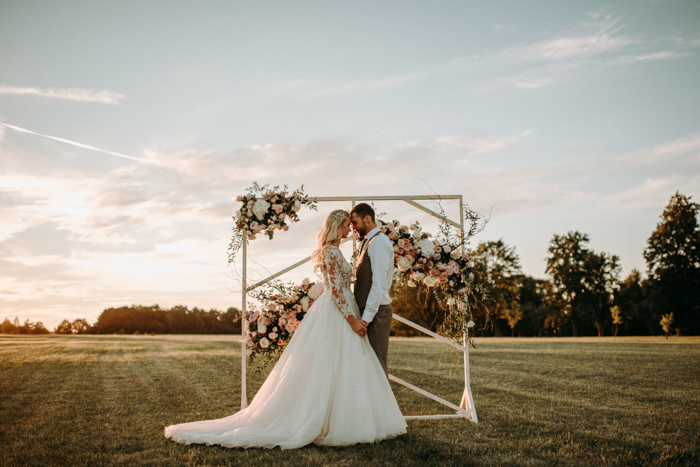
(362, 210)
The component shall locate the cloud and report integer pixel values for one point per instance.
(594, 43)
(72, 143)
(363, 87)
(75, 94)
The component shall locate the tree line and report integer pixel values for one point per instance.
(138, 319)
(583, 294)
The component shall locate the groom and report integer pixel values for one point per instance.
(373, 275)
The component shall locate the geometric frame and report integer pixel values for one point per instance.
(466, 407)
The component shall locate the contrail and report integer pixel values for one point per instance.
(75, 143)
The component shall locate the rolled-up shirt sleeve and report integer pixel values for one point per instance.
(381, 255)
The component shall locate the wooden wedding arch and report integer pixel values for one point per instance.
(466, 407)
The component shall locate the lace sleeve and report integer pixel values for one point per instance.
(333, 263)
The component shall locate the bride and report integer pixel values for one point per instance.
(328, 386)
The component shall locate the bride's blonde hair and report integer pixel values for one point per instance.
(330, 232)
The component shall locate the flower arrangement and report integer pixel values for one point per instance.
(440, 264)
(270, 326)
(265, 210)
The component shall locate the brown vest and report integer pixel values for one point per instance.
(363, 275)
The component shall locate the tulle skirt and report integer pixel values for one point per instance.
(328, 388)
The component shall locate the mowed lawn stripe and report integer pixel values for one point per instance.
(105, 400)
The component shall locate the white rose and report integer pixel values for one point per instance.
(260, 208)
(418, 276)
(262, 329)
(316, 290)
(404, 263)
(411, 283)
(454, 254)
(471, 276)
(451, 301)
(429, 281)
(427, 247)
(396, 248)
(264, 343)
(296, 206)
(305, 281)
(470, 324)
(305, 303)
(446, 248)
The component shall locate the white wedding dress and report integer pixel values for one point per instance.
(327, 388)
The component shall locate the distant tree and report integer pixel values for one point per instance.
(513, 315)
(673, 262)
(497, 266)
(417, 304)
(631, 298)
(26, 328)
(80, 326)
(616, 318)
(64, 328)
(178, 320)
(666, 323)
(582, 281)
(8, 327)
(38, 328)
(532, 299)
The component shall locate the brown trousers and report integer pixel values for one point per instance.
(378, 334)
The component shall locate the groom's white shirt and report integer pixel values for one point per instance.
(381, 256)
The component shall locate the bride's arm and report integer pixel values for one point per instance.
(333, 264)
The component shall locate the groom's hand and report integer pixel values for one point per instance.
(359, 327)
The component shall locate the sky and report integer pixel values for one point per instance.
(129, 129)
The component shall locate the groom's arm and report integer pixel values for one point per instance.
(381, 255)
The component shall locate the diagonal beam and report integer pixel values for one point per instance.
(433, 213)
(285, 270)
(429, 395)
(428, 332)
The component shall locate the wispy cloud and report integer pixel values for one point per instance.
(75, 94)
(362, 87)
(594, 43)
(72, 143)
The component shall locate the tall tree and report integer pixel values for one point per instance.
(673, 262)
(64, 328)
(582, 280)
(80, 326)
(497, 266)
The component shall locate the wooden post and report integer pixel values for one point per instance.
(244, 347)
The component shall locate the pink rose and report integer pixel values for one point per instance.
(281, 343)
(285, 228)
(435, 272)
(436, 256)
(282, 193)
(400, 251)
(305, 285)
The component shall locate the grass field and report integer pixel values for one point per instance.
(104, 400)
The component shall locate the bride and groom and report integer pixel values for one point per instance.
(330, 385)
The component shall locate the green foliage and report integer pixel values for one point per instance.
(64, 328)
(666, 323)
(673, 262)
(583, 282)
(497, 266)
(178, 320)
(8, 327)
